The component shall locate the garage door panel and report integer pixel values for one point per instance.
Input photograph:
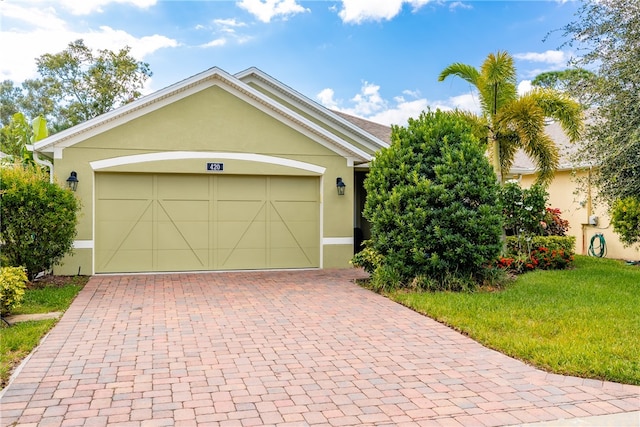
(293, 234)
(182, 235)
(230, 188)
(179, 210)
(283, 258)
(241, 235)
(205, 222)
(294, 211)
(183, 187)
(125, 186)
(181, 260)
(128, 235)
(242, 259)
(124, 260)
(248, 210)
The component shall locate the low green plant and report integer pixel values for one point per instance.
(518, 245)
(13, 282)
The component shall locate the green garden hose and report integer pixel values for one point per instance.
(598, 247)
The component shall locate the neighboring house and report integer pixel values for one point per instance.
(576, 201)
(216, 172)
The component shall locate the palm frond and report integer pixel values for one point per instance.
(525, 118)
(466, 72)
(497, 84)
(560, 107)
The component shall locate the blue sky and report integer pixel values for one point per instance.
(377, 59)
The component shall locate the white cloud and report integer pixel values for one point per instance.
(459, 5)
(555, 57)
(369, 104)
(326, 98)
(215, 43)
(524, 87)
(368, 101)
(86, 7)
(265, 10)
(359, 11)
(229, 23)
(34, 32)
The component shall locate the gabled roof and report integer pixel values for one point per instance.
(340, 121)
(211, 77)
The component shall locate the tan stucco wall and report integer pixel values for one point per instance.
(212, 120)
(576, 207)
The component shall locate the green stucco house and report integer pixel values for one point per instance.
(216, 172)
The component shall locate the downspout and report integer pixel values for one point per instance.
(42, 162)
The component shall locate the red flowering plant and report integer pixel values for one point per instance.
(553, 224)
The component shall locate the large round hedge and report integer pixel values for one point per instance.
(432, 201)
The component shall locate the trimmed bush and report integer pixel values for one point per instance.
(625, 218)
(432, 202)
(38, 219)
(13, 282)
(517, 245)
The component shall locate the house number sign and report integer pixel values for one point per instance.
(215, 167)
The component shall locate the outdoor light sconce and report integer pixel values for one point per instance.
(340, 185)
(72, 181)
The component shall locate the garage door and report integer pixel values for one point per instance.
(158, 222)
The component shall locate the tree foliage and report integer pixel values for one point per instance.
(75, 85)
(517, 121)
(606, 34)
(38, 219)
(432, 204)
(575, 82)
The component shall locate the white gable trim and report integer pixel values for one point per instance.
(310, 107)
(182, 155)
(215, 76)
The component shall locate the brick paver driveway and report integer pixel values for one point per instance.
(305, 348)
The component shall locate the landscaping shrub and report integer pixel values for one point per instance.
(517, 245)
(432, 202)
(553, 224)
(625, 218)
(524, 209)
(38, 219)
(13, 282)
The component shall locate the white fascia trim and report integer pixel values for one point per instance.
(182, 155)
(311, 107)
(337, 240)
(83, 244)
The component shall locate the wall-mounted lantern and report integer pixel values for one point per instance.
(340, 185)
(72, 181)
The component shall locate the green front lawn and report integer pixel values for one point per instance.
(18, 340)
(584, 321)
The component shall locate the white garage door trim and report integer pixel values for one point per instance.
(99, 165)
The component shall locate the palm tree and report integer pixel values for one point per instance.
(513, 121)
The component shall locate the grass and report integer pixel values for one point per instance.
(17, 341)
(583, 322)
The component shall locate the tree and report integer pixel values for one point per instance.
(575, 82)
(514, 121)
(84, 85)
(15, 136)
(606, 35)
(432, 204)
(75, 85)
(38, 219)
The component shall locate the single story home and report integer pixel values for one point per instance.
(216, 172)
(240, 172)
